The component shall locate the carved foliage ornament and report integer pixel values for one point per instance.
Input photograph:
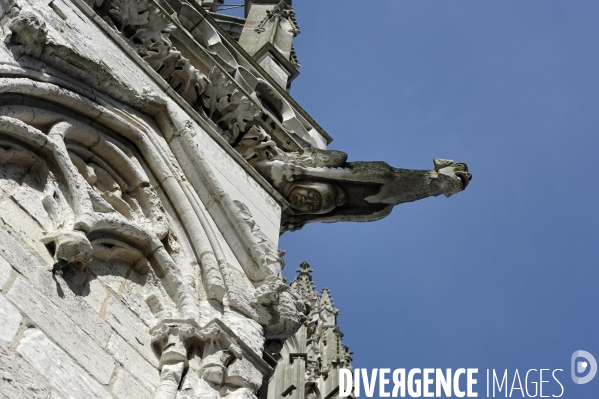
(148, 30)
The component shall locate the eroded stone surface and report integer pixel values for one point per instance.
(64, 376)
(127, 387)
(10, 320)
(94, 294)
(5, 271)
(19, 379)
(15, 255)
(137, 289)
(130, 327)
(72, 298)
(133, 362)
(110, 273)
(61, 328)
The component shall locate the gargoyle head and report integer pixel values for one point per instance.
(280, 309)
(452, 177)
(69, 248)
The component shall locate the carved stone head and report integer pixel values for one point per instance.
(313, 198)
(256, 146)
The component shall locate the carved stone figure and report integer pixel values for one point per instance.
(313, 197)
(69, 248)
(365, 191)
(321, 186)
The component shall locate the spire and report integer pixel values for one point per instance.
(268, 37)
(327, 308)
(325, 299)
(319, 344)
(303, 283)
(305, 270)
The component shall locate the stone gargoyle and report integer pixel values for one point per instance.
(321, 186)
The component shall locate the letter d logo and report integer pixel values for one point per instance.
(581, 366)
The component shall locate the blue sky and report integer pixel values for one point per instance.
(504, 275)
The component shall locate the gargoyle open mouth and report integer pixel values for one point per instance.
(465, 177)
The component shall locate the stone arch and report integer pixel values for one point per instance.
(98, 221)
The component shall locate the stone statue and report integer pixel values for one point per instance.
(313, 197)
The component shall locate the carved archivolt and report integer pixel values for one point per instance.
(85, 208)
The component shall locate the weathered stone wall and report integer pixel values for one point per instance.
(86, 330)
(79, 335)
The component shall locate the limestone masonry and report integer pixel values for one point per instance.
(150, 157)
